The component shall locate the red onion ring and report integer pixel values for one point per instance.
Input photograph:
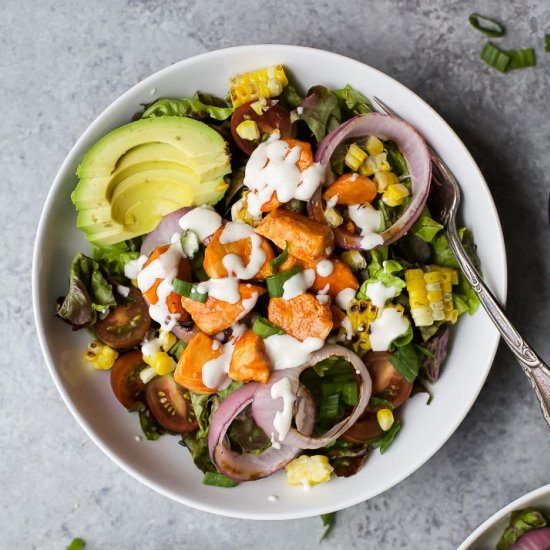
(163, 231)
(249, 466)
(264, 407)
(538, 539)
(185, 334)
(416, 153)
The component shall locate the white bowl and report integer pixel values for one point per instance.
(487, 535)
(164, 465)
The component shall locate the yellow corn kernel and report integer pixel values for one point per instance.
(395, 194)
(379, 162)
(267, 82)
(418, 298)
(435, 296)
(374, 146)
(308, 470)
(422, 316)
(385, 419)
(448, 305)
(161, 362)
(248, 129)
(366, 169)
(167, 340)
(93, 350)
(384, 179)
(413, 274)
(333, 217)
(451, 316)
(354, 157)
(432, 277)
(258, 106)
(106, 358)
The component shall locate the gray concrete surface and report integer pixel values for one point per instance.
(62, 62)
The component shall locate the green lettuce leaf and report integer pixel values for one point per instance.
(425, 227)
(89, 292)
(198, 448)
(151, 429)
(195, 106)
(290, 98)
(521, 522)
(353, 101)
(77, 544)
(384, 271)
(320, 110)
(116, 256)
(385, 440)
(396, 160)
(407, 361)
(328, 524)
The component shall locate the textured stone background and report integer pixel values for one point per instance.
(62, 62)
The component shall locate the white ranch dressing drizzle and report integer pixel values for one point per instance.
(389, 325)
(322, 297)
(133, 267)
(332, 202)
(214, 372)
(346, 325)
(369, 222)
(123, 290)
(286, 352)
(225, 289)
(150, 347)
(237, 231)
(272, 169)
(283, 418)
(379, 293)
(324, 268)
(344, 298)
(203, 220)
(248, 305)
(298, 284)
(164, 267)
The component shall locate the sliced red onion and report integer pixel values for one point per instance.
(249, 466)
(416, 154)
(539, 539)
(264, 407)
(185, 334)
(163, 232)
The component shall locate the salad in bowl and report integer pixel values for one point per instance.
(266, 280)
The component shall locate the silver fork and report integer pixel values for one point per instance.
(445, 194)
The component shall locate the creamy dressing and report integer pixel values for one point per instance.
(389, 325)
(272, 169)
(123, 290)
(324, 268)
(165, 267)
(332, 202)
(236, 231)
(273, 498)
(248, 305)
(298, 284)
(378, 293)
(150, 347)
(369, 222)
(346, 325)
(323, 298)
(214, 372)
(344, 298)
(225, 289)
(133, 267)
(283, 418)
(286, 352)
(203, 220)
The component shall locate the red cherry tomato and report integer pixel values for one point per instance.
(125, 381)
(386, 381)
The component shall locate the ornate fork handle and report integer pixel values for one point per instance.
(533, 366)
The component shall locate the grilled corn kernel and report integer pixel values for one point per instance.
(354, 157)
(167, 340)
(385, 419)
(266, 82)
(93, 351)
(161, 362)
(308, 470)
(395, 194)
(258, 106)
(333, 217)
(374, 146)
(354, 259)
(248, 129)
(384, 179)
(106, 358)
(418, 298)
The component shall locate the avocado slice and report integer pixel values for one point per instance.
(142, 171)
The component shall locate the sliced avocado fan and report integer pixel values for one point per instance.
(144, 170)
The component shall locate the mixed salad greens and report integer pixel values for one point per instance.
(528, 529)
(265, 279)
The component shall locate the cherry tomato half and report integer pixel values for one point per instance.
(125, 381)
(168, 405)
(273, 118)
(364, 430)
(127, 324)
(386, 381)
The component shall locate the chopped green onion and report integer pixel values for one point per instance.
(218, 480)
(275, 283)
(520, 59)
(77, 544)
(486, 25)
(265, 328)
(177, 349)
(280, 259)
(494, 57)
(330, 407)
(189, 290)
(348, 391)
(190, 243)
(547, 42)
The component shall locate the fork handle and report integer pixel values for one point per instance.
(534, 367)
